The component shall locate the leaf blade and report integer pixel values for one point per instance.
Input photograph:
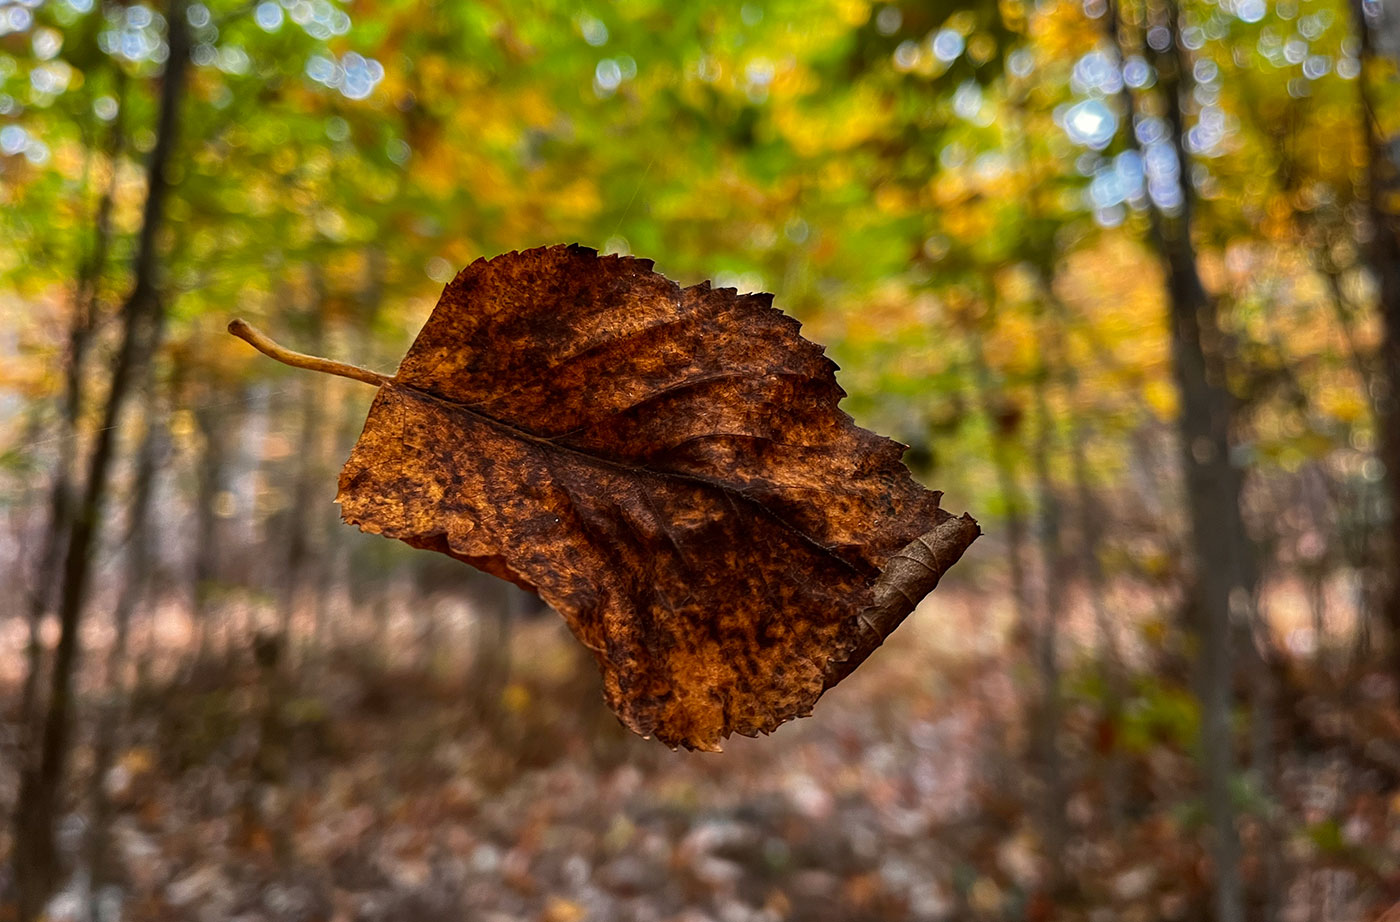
(720, 589)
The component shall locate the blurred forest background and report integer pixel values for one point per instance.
(1125, 276)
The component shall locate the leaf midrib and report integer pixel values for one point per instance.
(638, 471)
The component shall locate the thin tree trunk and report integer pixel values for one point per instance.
(1047, 723)
(1051, 551)
(1213, 486)
(209, 485)
(1003, 420)
(36, 858)
(135, 586)
(299, 517)
(1213, 491)
(494, 606)
(1383, 255)
(1088, 520)
(1223, 580)
(1037, 641)
(381, 608)
(82, 325)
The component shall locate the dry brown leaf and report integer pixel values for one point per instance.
(668, 468)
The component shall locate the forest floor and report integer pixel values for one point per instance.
(352, 790)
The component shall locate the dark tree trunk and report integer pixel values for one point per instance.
(1089, 521)
(36, 860)
(1037, 640)
(1047, 721)
(82, 325)
(299, 519)
(1089, 524)
(1383, 257)
(209, 484)
(135, 585)
(1003, 419)
(1223, 580)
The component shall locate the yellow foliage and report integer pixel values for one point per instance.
(855, 119)
(969, 223)
(1160, 395)
(853, 12)
(1343, 404)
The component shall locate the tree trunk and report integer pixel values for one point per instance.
(1383, 256)
(1213, 487)
(1223, 581)
(493, 606)
(36, 858)
(1047, 721)
(209, 479)
(1089, 521)
(1035, 640)
(1088, 524)
(1003, 419)
(1213, 490)
(139, 561)
(82, 325)
(299, 518)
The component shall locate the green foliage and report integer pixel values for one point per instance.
(945, 193)
(1160, 714)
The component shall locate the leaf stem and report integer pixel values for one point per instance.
(261, 342)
